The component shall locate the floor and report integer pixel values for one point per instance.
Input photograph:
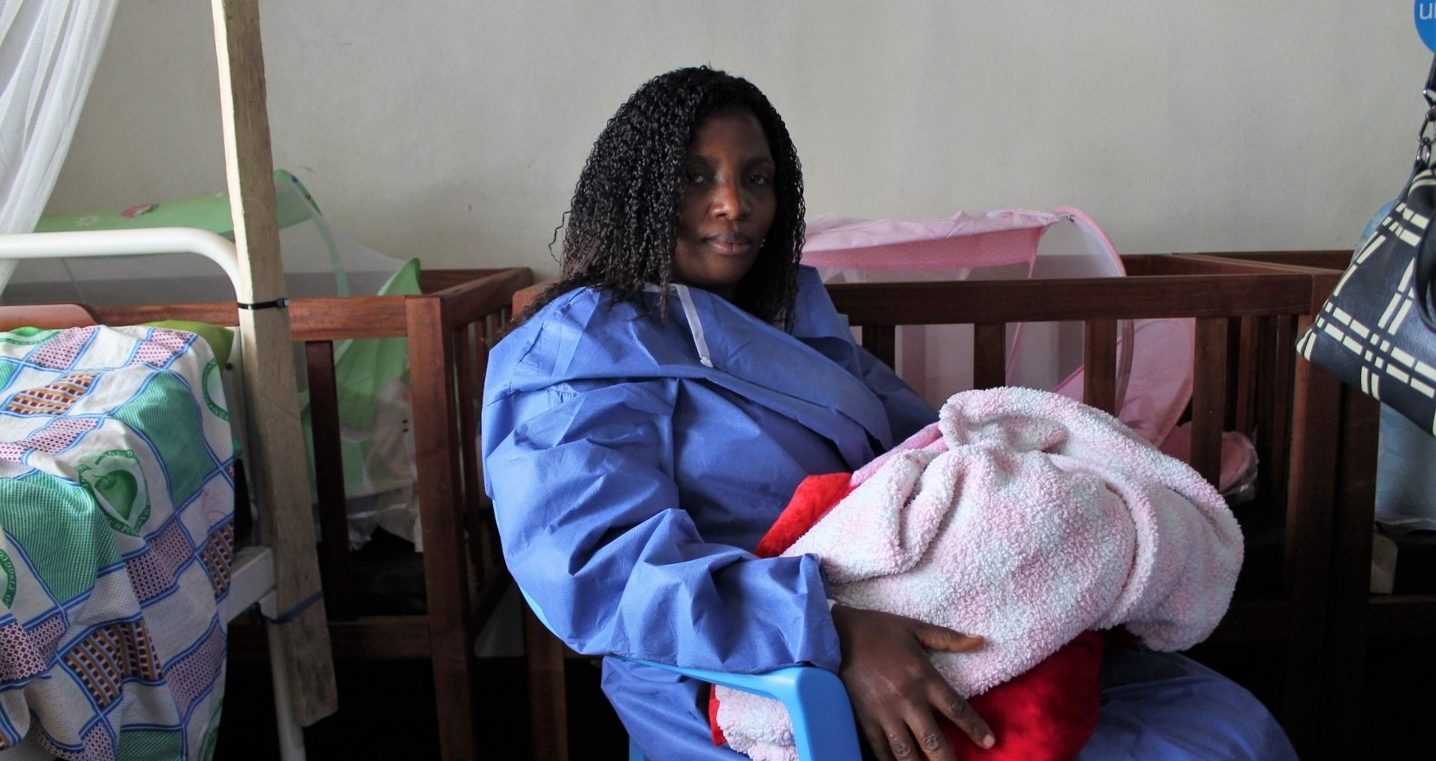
(1397, 720)
(396, 722)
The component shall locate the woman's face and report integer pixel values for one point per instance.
(728, 202)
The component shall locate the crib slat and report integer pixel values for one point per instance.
(485, 538)
(329, 480)
(1248, 358)
(881, 340)
(1234, 378)
(1278, 411)
(490, 576)
(989, 355)
(468, 398)
(1264, 391)
(1209, 387)
(1099, 363)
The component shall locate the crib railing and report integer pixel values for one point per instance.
(1213, 300)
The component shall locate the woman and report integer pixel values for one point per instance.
(648, 420)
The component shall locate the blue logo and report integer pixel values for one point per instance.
(1424, 13)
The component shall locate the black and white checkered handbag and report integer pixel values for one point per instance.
(1377, 331)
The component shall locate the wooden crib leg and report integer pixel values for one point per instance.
(446, 572)
(1350, 600)
(1311, 501)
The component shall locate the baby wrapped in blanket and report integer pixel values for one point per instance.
(1026, 518)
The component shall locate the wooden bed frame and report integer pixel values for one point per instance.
(1303, 594)
(449, 329)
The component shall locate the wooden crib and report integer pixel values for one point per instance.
(1296, 631)
(449, 329)
(1309, 528)
(1360, 624)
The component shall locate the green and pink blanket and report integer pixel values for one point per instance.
(116, 535)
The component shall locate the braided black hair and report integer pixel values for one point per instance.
(623, 219)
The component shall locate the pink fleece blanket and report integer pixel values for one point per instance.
(1027, 518)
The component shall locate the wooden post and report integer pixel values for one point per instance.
(275, 444)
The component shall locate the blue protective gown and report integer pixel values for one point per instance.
(634, 464)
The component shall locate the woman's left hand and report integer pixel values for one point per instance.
(896, 691)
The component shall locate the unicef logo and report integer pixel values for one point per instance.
(1425, 15)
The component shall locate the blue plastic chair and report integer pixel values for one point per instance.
(817, 703)
(815, 698)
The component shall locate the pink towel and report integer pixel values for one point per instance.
(1026, 518)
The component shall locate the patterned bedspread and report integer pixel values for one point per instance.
(116, 535)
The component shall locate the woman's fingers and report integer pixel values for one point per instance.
(905, 729)
(930, 743)
(899, 743)
(934, 744)
(913, 736)
(877, 738)
(960, 712)
(945, 640)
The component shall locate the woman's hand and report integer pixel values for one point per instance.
(895, 689)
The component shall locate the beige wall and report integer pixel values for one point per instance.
(454, 130)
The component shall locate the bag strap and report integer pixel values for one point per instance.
(1425, 264)
(1426, 252)
(1423, 152)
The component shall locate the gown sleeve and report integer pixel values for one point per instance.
(593, 531)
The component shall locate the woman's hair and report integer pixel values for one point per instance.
(623, 219)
